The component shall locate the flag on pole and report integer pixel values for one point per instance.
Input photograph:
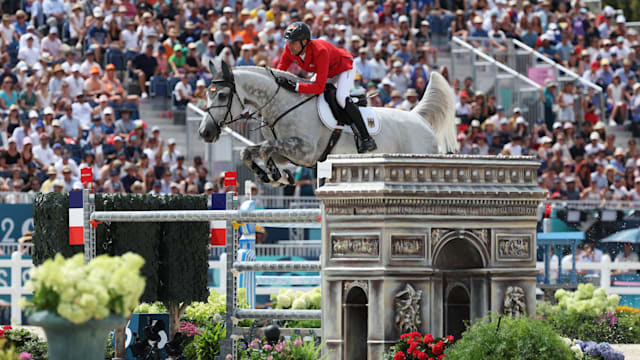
(218, 227)
(76, 218)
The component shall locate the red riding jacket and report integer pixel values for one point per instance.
(321, 58)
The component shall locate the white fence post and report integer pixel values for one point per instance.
(223, 273)
(16, 289)
(605, 273)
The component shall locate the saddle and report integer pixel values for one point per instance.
(359, 97)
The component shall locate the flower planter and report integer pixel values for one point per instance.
(69, 341)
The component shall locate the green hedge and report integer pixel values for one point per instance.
(176, 254)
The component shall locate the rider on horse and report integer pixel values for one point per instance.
(326, 61)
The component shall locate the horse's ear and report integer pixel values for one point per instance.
(226, 72)
(212, 68)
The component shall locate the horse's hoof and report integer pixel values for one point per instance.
(273, 169)
(290, 179)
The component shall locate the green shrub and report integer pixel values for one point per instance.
(516, 338)
(206, 344)
(24, 340)
(291, 349)
(590, 314)
(614, 328)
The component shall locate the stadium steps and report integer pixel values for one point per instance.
(155, 113)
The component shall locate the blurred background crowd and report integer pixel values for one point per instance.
(76, 72)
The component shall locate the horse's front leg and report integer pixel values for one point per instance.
(294, 148)
(248, 154)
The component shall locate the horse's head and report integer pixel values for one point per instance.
(220, 96)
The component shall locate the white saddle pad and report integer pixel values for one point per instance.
(369, 116)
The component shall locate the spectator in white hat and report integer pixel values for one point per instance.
(29, 53)
(170, 157)
(52, 43)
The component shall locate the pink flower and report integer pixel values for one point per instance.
(270, 358)
(229, 356)
(25, 356)
(297, 343)
(267, 347)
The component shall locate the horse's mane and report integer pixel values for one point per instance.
(265, 71)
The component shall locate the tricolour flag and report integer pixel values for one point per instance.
(76, 218)
(218, 227)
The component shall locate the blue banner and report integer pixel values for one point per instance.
(15, 220)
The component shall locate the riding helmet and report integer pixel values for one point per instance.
(297, 31)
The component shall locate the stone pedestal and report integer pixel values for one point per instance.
(423, 242)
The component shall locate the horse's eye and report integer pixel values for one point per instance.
(222, 96)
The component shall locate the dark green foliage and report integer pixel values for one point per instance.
(118, 238)
(184, 255)
(517, 338)
(51, 227)
(176, 254)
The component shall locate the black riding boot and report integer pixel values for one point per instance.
(364, 141)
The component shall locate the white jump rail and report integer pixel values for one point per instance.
(603, 270)
(233, 268)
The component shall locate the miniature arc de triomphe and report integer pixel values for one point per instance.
(423, 242)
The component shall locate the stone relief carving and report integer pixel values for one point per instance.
(407, 245)
(513, 246)
(348, 285)
(438, 234)
(355, 245)
(514, 301)
(407, 309)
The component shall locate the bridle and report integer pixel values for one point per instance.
(244, 115)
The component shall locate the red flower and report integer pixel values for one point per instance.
(412, 347)
(428, 339)
(422, 355)
(7, 327)
(404, 336)
(438, 348)
(399, 356)
(450, 338)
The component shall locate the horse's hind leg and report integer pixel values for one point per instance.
(248, 154)
(292, 148)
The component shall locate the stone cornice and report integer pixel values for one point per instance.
(432, 176)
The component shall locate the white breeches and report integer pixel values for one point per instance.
(344, 84)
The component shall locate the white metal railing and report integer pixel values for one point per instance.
(496, 62)
(282, 202)
(307, 249)
(11, 197)
(594, 204)
(494, 77)
(600, 274)
(558, 70)
(13, 284)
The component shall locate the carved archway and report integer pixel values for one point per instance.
(459, 249)
(355, 324)
(457, 309)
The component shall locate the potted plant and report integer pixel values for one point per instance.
(77, 304)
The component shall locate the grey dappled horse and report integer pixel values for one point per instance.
(293, 129)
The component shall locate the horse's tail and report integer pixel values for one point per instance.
(438, 108)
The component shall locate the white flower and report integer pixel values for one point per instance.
(577, 351)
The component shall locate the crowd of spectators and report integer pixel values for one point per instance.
(64, 106)
(574, 140)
